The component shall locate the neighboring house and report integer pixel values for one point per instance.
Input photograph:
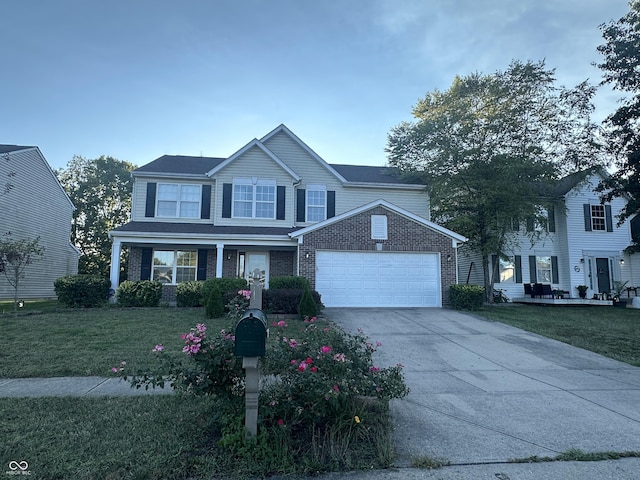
(360, 234)
(36, 205)
(581, 244)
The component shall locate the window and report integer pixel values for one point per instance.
(316, 203)
(174, 266)
(543, 269)
(598, 218)
(507, 270)
(175, 200)
(254, 198)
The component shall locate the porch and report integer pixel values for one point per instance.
(570, 302)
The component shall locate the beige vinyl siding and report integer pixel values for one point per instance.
(37, 206)
(139, 200)
(254, 163)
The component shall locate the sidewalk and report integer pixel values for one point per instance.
(72, 387)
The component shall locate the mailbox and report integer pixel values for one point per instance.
(251, 334)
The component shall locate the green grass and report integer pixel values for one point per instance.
(83, 342)
(29, 307)
(609, 331)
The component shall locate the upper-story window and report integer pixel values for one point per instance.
(254, 198)
(316, 203)
(598, 217)
(178, 200)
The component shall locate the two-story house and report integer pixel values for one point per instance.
(579, 244)
(34, 204)
(360, 234)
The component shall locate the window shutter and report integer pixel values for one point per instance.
(227, 190)
(205, 206)
(280, 202)
(145, 264)
(554, 270)
(201, 273)
(551, 217)
(518, 264)
(331, 203)
(587, 217)
(301, 205)
(150, 207)
(533, 276)
(607, 218)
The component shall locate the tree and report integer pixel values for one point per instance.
(489, 149)
(101, 190)
(15, 256)
(621, 66)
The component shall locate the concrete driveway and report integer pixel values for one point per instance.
(485, 392)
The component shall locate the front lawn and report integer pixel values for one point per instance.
(612, 332)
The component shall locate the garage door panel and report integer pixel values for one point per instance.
(377, 279)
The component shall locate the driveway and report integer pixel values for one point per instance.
(484, 392)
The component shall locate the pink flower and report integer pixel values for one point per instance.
(158, 348)
(245, 293)
(282, 323)
(114, 370)
(378, 344)
(374, 369)
(294, 362)
(183, 336)
(309, 360)
(201, 327)
(336, 388)
(293, 343)
(339, 357)
(314, 369)
(325, 349)
(274, 324)
(280, 421)
(302, 367)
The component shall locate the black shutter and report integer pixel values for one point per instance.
(280, 202)
(331, 203)
(587, 217)
(205, 207)
(607, 218)
(150, 207)
(201, 273)
(518, 264)
(554, 269)
(227, 191)
(145, 264)
(301, 205)
(533, 276)
(551, 219)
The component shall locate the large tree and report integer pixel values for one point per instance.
(101, 190)
(621, 67)
(489, 149)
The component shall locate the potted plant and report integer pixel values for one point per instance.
(582, 291)
(618, 288)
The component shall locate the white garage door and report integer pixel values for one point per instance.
(378, 279)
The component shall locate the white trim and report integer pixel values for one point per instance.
(305, 147)
(457, 238)
(254, 143)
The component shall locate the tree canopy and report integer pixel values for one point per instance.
(101, 191)
(621, 67)
(489, 148)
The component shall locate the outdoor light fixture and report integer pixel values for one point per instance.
(306, 255)
(622, 261)
(448, 258)
(582, 260)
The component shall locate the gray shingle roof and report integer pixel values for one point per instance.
(12, 148)
(369, 174)
(201, 229)
(181, 165)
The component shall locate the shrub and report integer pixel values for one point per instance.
(189, 294)
(466, 297)
(142, 293)
(285, 300)
(214, 307)
(307, 306)
(82, 290)
(288, 282)
(225, 285)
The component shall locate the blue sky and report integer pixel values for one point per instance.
(139, 79)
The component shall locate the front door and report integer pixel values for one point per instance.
(602, 265)
(257, 268)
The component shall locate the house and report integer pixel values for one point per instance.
(32, 204)
(360, 234)
(581, 244)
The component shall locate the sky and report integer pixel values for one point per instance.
(139, 79)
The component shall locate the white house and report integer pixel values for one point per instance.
(36, 205)
(360, 234)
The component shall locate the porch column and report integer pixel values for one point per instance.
(114, 274)
(219, 258)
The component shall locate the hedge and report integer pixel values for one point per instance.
(143, 293)
(466, 297)
(82, 290)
